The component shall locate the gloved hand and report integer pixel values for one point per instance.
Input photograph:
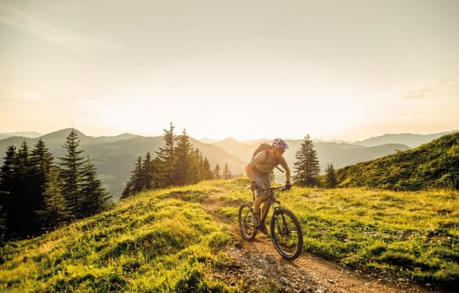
(253, 185)
(287, 185)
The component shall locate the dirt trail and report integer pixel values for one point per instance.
(257, 263)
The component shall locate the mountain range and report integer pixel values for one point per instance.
(409, 139)
(114, 156)
(4, 135)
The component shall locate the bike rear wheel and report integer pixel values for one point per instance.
(286, 234)
(248, 230)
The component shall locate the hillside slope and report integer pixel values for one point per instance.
(186, 240)
(433, 165)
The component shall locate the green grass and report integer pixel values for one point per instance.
(407, 234)
(153, 242)
(431, 165)
(165, 241)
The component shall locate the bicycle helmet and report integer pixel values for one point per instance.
(280, 144)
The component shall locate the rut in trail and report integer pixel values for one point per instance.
(256, 265)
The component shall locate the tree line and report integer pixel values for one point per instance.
(38, 195)
(176, 163)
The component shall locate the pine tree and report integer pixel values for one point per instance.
(41, 161)
(197, 166)
(226, 172)
(94, 197)
(217, 172)
(208, 174)
(3, 229)
(165, 159)
(136, 181)
(55, 211)
(147, 172)
(330, 179)
(25, 218)
(71, 166)
(7, 186)
(137, 176)
(127, 190)
(182, 171)
(307, 164)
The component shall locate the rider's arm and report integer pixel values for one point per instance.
(249, 168)
(285, 167)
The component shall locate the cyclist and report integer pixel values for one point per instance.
(258, 171)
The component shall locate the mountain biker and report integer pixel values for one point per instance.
(258, 171)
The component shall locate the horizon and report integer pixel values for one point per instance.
(342, 71)
(224, 138)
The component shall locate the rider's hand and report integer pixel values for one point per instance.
(253, 185)
(287, 185)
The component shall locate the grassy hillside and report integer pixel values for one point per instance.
(433, 165)
(152, 242)
(406, 234)
(165, 240)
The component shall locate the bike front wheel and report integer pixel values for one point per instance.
(248, 230)
(286, 234)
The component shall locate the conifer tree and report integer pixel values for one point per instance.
(137, 176)
(41, 161)
(25, 220)
(94, 197)
(217, 172)
(127, 190)
(55, 211)
(182, 171)
(197, 166)
(330, 179)
(307, 164)
(7, 186)
(147, 171)
(226, 172)
(165, 159)
(136, 181)
(71, 169)
(208, 174)
(3, 229)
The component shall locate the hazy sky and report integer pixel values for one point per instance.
(333, 69)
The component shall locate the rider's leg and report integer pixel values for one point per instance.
(266, 206)
(256, 205)
(256, 208)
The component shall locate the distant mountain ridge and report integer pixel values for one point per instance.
(114, 156)
(30, 134)
(431, 165)
(409, 139)
(338, 154)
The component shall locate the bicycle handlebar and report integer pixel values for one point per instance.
(281, 188)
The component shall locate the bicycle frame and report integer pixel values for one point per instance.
(271, 200)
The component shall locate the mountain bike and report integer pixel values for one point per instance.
(285, 229)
